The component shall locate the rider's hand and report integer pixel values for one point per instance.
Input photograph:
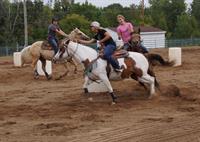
(78, 41)
(75, 40)
(66, 35)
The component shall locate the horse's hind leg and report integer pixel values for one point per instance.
(151, 73)
(133, 76)
(44, 68)
(151, 81)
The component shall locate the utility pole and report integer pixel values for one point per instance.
(142, 12)
(25, 25)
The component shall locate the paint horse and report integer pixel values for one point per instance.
(135, 46)
(135, 66)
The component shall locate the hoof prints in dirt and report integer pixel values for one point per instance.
(171, 91)
(164, 119)
(57, 129)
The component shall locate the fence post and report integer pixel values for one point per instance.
(17, 47)
(6, 51)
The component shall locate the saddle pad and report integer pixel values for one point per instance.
(46, 46)
(120, 54)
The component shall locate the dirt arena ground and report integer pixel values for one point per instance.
(57, 110)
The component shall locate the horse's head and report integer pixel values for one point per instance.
(78, 34)
(135, 38)
(62, 52)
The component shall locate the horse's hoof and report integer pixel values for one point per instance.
(113, 103)
(36, 77)
(152, 96)
(86, 91)
(58, 78)
(90, 99)
(49, 77)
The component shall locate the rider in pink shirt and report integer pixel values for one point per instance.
(124, 30)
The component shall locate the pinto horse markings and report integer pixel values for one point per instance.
(83, 53)
(152, 57)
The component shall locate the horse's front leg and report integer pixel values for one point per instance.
(85, 85)
(65, 73)
(74, 64)
(106, 81)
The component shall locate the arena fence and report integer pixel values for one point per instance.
(8, 51)
(182, 42)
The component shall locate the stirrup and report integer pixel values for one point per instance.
(120, 69)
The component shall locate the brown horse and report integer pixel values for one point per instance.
(37, 52)
(135, 46)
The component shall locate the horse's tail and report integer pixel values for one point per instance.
(151, 72)
(156, 57)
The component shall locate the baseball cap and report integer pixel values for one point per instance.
(95, 24)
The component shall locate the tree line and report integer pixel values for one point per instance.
(173, 16)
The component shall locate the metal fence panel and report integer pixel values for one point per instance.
(8, 51)
(182, 42)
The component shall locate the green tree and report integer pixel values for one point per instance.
(196, 10)
(186, 27)
(69, 22)
(165, 13)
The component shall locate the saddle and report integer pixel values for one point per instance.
(120, 54)
(46, 45)
(130, 71)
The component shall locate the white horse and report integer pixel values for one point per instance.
(138, 69)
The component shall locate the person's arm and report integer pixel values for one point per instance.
(107, 36)
(86, 41)
(131, 30)
(61, 32)
(119, 34)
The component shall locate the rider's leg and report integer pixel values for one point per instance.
(144, 49)
(108, 51)
(54, 44)
(126, 46)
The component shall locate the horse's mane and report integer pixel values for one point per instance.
(89, 49)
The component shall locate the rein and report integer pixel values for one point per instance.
(70, 56)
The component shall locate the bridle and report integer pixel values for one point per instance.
(65, 46)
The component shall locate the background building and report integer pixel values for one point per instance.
(152, 37)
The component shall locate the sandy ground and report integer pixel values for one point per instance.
(58, 111)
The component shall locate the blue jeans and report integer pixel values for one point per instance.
(108, 51)
(54, 43)
(145, 50)
(126, 46)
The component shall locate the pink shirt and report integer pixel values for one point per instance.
(124, 30)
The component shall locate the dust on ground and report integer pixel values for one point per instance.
(58, 111)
